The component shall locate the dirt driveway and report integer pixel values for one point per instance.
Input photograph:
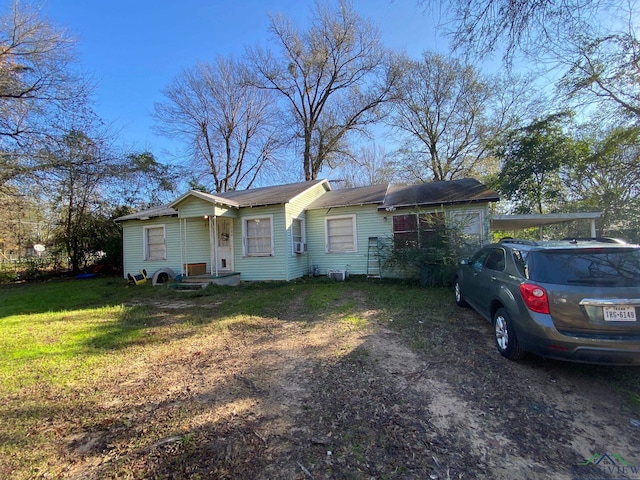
(345, 399)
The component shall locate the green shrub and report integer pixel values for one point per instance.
(431, 261)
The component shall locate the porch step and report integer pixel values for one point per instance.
(232, 278)
(195, 279)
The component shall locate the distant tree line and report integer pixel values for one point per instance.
(62, 180)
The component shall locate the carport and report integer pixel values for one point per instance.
(515, 223)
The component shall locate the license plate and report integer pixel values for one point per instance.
(619, 314)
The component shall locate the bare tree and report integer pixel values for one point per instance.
(335, 78)
(23, 222)
(230, 127)
(449, 114)
(371, 166)
(486, 26)
(590, 45)
(38, 84)
(602, 72)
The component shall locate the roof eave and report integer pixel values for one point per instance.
(434, 204)
(143, 217)
(343, 205)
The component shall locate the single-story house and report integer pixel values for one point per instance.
(287, 231)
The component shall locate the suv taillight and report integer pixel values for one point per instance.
(535, 297)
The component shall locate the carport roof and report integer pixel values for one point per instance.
(520, 222)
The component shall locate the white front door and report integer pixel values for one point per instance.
(224, 244)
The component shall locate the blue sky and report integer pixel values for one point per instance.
(134, 48)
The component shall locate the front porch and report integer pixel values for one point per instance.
(206, 246)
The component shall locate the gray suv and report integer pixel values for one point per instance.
(575, 300)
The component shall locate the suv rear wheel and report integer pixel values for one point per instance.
(506, 339)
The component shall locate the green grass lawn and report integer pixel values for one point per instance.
(61, 331)
(68, 348)
(61, 341)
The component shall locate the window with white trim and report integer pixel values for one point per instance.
(341, 234)
(154, 243)
(297, 235)
(257, 236)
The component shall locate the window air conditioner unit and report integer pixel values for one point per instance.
(299, 247)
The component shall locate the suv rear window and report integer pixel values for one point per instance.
(593, 266)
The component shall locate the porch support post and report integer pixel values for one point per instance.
(215, 245)
(183, 247)
(211, 245)
(593, 228)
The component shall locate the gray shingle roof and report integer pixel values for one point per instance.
(214, 199)
(256, 197)
(465, 190)
(351, 196)
(160, 211)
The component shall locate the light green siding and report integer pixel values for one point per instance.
(197, 246)
(197, 207)
(369, 223)
(273, 267)
(284, 264)
(133, 246)
(298, 265)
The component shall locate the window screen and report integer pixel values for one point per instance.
(296, 230)
(154, 243)
(341, 234)
(258, 236)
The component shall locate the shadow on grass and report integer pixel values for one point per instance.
(236, 411)
(271, 416)
(159, 315)
(151, 315)
(65, 294)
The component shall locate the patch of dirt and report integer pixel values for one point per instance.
(327, 400)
